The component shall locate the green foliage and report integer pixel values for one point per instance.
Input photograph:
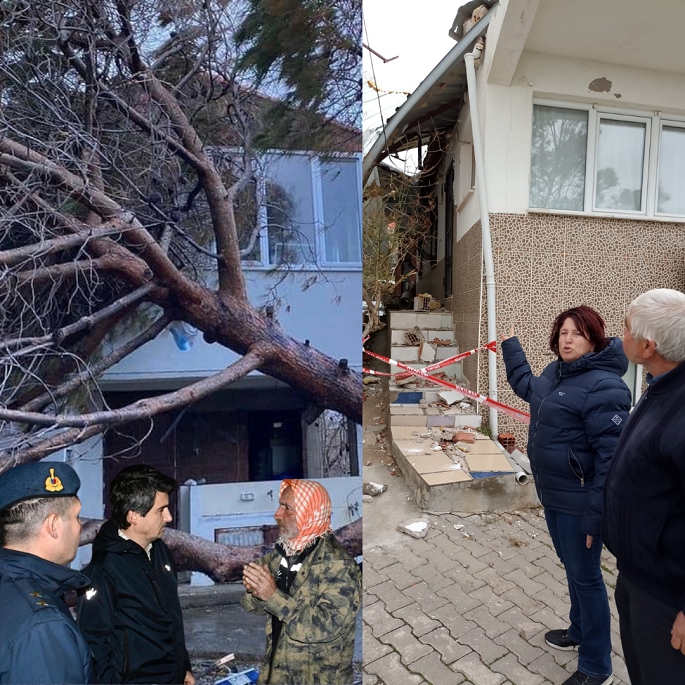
(485, 430)
(312, 50)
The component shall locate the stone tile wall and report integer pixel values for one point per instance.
(547, 263)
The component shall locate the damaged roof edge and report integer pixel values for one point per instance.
(455, 55)
(463, 13)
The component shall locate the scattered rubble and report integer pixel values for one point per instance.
(416, 528)
(521, 460)
(374, 489)
(452, 396)
(464, 436)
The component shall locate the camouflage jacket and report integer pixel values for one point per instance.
(316, 644)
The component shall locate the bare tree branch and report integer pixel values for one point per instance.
(147, 407)
(92, 372)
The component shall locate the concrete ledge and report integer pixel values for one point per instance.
(494, 494)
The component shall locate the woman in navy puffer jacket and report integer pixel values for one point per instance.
(578, 408)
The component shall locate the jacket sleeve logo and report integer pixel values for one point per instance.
(617, 419)
(53, 483)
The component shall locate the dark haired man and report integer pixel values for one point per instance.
(130, 614)
(39, 536)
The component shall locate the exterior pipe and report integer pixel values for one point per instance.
(522, 478)
(485, 228)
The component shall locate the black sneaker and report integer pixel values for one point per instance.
(579, 678)
(559, 639)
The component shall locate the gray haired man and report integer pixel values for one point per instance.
(644, 512)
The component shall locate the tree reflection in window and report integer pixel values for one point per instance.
(289, 242)
(620, 162)
(247, 222)
(558, 155)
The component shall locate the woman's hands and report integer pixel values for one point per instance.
(512, 334)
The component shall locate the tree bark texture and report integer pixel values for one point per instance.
(223, 563)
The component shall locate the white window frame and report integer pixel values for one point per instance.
(320, 264)
(319, 217)
(654, 120)
(671, 123)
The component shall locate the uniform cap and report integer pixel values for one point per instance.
(38, 479)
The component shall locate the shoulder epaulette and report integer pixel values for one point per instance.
(33, 594)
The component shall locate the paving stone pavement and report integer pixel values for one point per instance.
(470, 603)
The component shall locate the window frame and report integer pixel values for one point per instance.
(318, 218)
(671, 123)
(319, 214)
(654, 122)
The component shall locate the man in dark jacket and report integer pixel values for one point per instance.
(39, 534)
(130, 614)
(644, 519)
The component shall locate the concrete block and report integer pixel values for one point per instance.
(436, 333)
(406, 409)
(404, 353)
(408, 432)
(488, 462)
(427, 352)
(446, 352)
(451, 396)
(417, 528)
(432, 463)
(413, 448)
(398, 337)
(470, 420)
(445, 321)
(428, 321)
(445, 477)
(499, 493)
(403, 420)
(445, 421)
(402, 320)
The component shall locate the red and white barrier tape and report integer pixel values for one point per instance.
(492, 346)
(522, 416)
(371, 372)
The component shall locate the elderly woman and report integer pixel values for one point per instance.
(578, 407)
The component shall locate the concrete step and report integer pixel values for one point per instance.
(465, 477)
(397, 336)
(424, 320)
(410, 353)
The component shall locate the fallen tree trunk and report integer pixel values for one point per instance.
(223, 563)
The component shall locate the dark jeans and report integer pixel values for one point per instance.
(646, 624)
(590, 617)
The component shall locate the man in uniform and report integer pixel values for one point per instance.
(130, 614)
(39, 536)
(310, 588)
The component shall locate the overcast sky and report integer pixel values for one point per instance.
(415, 32)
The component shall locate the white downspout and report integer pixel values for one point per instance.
(469, 59)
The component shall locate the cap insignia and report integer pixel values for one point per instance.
(53, 483)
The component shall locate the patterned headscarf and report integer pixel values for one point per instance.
(312, 513)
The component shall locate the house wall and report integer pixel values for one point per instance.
(509, 110)
(546, 263)
(306, 311)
